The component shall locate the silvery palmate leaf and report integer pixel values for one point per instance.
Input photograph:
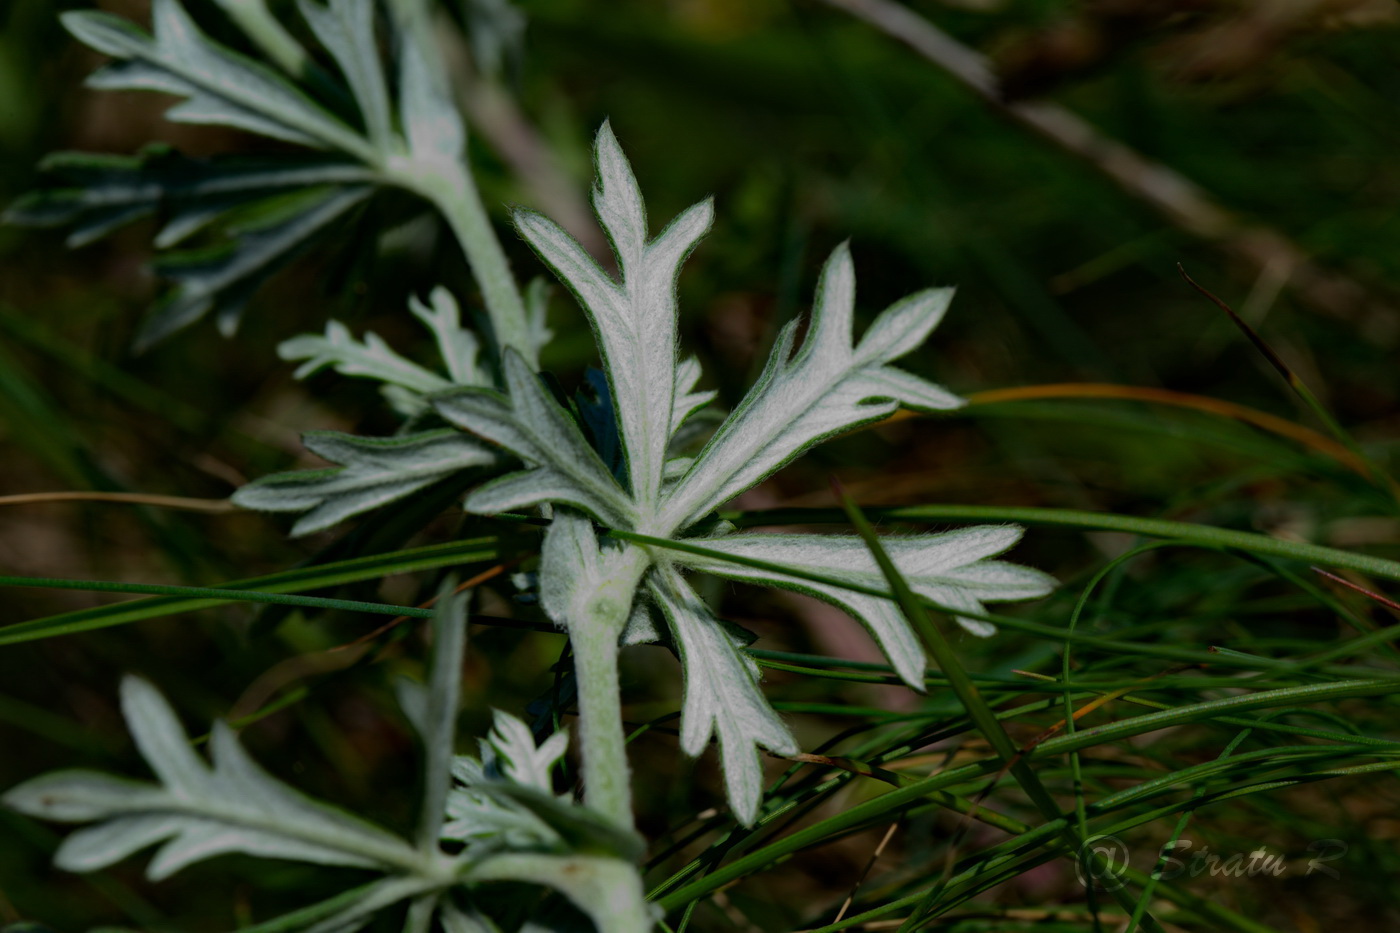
(508, 755)
(260, 213)
(225, 277)
(376, 471)
(346, 29)
(506, 797)
(828, 387)
(221, 86)
(510, 750)
(197, 810)
(372, 472)
(369, 357)
(404, 382)
(952, 569)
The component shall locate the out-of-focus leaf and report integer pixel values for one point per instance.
(220, 85)
(496, 29)
(96, 193)
(196, 810)
(346, 29)
(458, 347)
(226, 277)
(432, 126)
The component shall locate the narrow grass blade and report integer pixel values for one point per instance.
(1300, 388)
(311, 578)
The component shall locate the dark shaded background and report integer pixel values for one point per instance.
(809, 125)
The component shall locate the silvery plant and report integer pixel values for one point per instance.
(627, 477)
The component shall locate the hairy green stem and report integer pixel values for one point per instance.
(597, 620)
(460, 203)
(606, 776)
(450, 186)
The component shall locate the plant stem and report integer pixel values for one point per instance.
(448, 183)
(606, 776)
(460, 203)
(595, 627)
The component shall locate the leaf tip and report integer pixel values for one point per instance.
(606, 136)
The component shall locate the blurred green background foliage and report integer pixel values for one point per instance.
(1253, 141)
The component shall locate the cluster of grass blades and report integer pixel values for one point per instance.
(1162, 734)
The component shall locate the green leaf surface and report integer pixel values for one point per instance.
(346, 29)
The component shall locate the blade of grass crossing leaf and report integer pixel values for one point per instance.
(1113, 646)
(977, 709)
(916, 738)
(1202, 535)
(1218, 710)
(875, 810)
